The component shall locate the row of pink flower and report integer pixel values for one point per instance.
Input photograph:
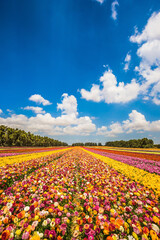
(20, 153)
(16, 171)
(39, 198)
(147, 165)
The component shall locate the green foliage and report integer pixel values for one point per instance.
(16, 137)
(78, 144)
(85, 144)
(157, 145)
(133, 143)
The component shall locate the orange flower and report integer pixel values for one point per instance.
(153, 235)
(112, 220)
(21, 214)
(109, 238)
(106, 231)
(5, 220)
(5, 234)
(119, 221)
(89, 220)
(59, 238)
(79, 221)
(101, 210)
(97, 222)
(50, 210)
(156, 219)
(86, 226)
(35, 204)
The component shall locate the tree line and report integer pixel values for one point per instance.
(86, 144)
(133, 143)
(16, 137)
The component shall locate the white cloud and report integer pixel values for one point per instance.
(68, 105)
(39, 99)
(150, 32)
(127, 61)
(149, 52)
(66, 124)
(136, 122)
(110, 131)
(95, 94)
(113, 8)
(34, 109)
(1, 111)
(112, 91)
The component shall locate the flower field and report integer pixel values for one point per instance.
(74, 193)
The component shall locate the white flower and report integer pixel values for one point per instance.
(26, 209)
(56, 204)
(52, 224)
(9, 205)
(44, 224)
(155, 228)
(130, 237)
(121, 229)
(155, 209)
(41, 235)
(48, 220)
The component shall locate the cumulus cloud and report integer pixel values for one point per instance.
(35, 109)
(127, 61)
(39, 99)
(68, 123)
(1, 111)
(95, 94)
(150, 32)
(113, 8)
(111, 91)
(110, 131)
(136, 122)
(68, 105)
(149, 52)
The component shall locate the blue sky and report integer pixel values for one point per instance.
(81, 70)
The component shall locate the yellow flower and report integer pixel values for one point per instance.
(60, 208)
(135, 235)
(144, 237)
(18, 232)
(35, 237)
(36, 217)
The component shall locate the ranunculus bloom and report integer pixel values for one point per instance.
(5, 234)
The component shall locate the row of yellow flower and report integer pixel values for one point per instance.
(26, 157)
(147, 179)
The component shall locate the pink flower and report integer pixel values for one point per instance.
(68, 214)
(25, 235)
(57, 221)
